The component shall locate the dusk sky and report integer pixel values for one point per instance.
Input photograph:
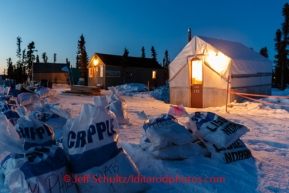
(109, 26)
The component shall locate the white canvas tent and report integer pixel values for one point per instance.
(199, 74)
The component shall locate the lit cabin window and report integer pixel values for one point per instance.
(90, 72)
(154, 75)
(101, 71)
(197, 73)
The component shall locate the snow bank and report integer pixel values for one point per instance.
(140, 90)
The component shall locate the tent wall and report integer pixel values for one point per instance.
(182, 78)
(214, 97)
(250, 83)
(180, 96)
(178, 68)
(264, 89)
(180, 91)
(250, 80)
(214, 88)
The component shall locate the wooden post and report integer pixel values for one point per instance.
(148, 85)
(227, 92)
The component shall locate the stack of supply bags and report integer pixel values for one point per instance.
(118, 107)
(8, 108)
(165, 138)
(27, 98)
(220, 136)
(35, 164)
(90, 141)
(44, 92)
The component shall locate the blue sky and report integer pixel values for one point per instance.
(109, 26)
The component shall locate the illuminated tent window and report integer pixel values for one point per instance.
(154, 75)
(90, 72)
(101, 71)
(197, 73)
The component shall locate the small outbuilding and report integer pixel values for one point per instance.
(105, 70)
(52, 72)
(206, 67)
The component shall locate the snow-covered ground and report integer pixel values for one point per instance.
(268, 140)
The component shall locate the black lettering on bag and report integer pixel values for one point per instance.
(228, 157)
(40, 131)
(217, 123)
(238, 155)
(80, 140)
(71, 136)
(231, 128)
(91, 131)
(107, 128)
(32, 133)
(218, 149)
(100, 129)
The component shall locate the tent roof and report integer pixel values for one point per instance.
(239, 59)
(234, 50)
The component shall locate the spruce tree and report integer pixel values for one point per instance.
(37, 59)
(67, 61)
(77, 61)
(285, 32)
(19, 63)
(24, 63)
(143, 54)
(278, 57)
(30, 54)
(24, 57)
(82, 55)
(44, 57)
(154, 54)
(124, 63)
(264, 52)
(281, 44)
(10, 68)
(166, 62)
(18, 51)
(54, 58)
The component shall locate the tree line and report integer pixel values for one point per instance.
(280, 73)
(22, 70)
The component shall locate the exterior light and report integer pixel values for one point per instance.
(217, 61)
(95, 62)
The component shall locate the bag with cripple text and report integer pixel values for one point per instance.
(33, 132)
(91, 143)
(38, 169)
